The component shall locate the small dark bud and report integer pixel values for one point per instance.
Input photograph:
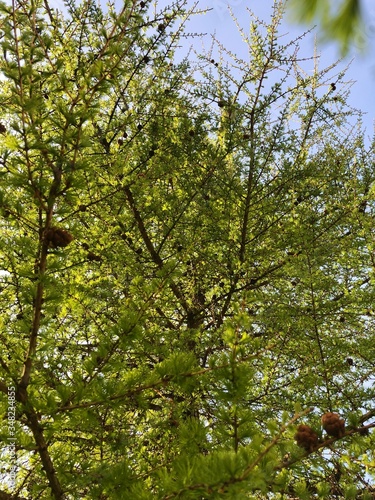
(221, 104)
(139, 127)
(246, 137)
(161, 27)
(2, 128)
(91, 256)
(350, 361)
(363, 431)
(142, 5)
(191, 133)
(120, 142)
(333, 86)
(82, 208)
(212, 61)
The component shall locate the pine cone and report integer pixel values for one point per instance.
(333, 424)
(57, 237)
(306, 438)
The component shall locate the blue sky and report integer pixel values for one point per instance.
(361, 58)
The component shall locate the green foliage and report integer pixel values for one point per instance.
(338, 22)
(218, 291)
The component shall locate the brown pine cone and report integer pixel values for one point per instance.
(57, 237)
(333, 424)
(306, 438)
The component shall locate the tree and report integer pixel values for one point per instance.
(342, 25)
(186, 264)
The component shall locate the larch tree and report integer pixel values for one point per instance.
(187, 257)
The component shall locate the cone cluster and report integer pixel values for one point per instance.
(308, 439)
